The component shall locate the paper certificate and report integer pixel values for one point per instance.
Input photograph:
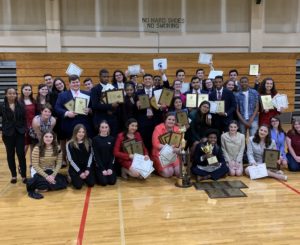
(134, 69)
(214, 73)
(253, 70)
(115, 96)
(258, 171)
(271, 157)
(205, 58)
(182, 118)
(144, 101)
(160, 64)
(157, 94)
(167, 152)
(175, 139)
(266, 101)
(217, 106)
(70, 105)
(80, 105)
(201, 98)
(74, 70)
(185, 87)
(191, 100)
(280, 101)
(166, 97)
(144, 167)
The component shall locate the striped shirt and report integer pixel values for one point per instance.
(41, 164)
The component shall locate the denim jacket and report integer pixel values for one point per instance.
(253, 99)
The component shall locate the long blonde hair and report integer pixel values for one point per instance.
(73, 141)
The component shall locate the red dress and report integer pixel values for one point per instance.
(122, 156)
(30, 114)
(158, 131)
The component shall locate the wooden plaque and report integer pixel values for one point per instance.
(271, 157)
(166, 97)
(115, 96)
(144, 101)
(175, 139)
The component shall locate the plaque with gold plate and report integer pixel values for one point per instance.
(70, 105)
(271, 157)
(80, 105)
(127, 145)
(144, 101)
(115, 96)
(166, 97)
(266, 102)
(164, 138)
(175, 139)
(182, 118)
(137, 147)
(208, 149)
(153, 103)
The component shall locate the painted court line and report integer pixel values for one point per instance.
(83, 217)
(290, 187)
(121, 217)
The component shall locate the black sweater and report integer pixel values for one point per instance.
(103, 149)
(80, 159)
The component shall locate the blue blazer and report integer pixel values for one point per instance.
(68, 124)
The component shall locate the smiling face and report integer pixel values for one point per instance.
(43, 91)
(104, 128)
(274, 123)
(233, 76)
(196, 84)
(170, 121)
(219, 83)
(263, 132)
(80, 134)
(233, 127)
(230, 85)
(212, 139)
(180, 76)
(244, 84)
(129, 91)
(27, 91)
(104, 77)
(48, 81)
(59, 85)
(208, 83)
(119, 77)
(269, 85)
(75, 85)
(132, 127)
(148, 82)
(11, 95)
(46, 113)
(200, 74)
(177, 85)
(178, 104)
(204, 108)
(297, 126)
(48, 139)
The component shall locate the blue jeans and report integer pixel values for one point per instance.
(252, 129)
(292, 164)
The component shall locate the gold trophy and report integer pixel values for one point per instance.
(208, 149)
(184, 181)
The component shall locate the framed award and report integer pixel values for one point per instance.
(70, 105)
(115, 96)
(175, 139)
(127, 146)
(253, 70)
(137, 147)
(270, 158)
(144, 101)
(191, 100)
(80, 105)
(266, 102)
(166, 97)
(164, 139)
(153, 103)
(201, 98)
(182, 118)
(220, 106)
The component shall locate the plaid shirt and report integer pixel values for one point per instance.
(253, 99)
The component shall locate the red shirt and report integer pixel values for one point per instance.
(295, 141)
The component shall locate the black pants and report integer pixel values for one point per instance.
(105, 180)
(78, 182)
(15, 143)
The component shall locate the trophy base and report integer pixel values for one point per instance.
(182, 183)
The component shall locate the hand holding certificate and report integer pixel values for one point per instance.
(266, 101)
(258, 171)
(280, 101)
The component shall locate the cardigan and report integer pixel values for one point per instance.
(233, 148)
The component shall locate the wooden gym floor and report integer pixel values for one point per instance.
(153, 211)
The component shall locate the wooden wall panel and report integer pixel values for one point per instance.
(279, 66)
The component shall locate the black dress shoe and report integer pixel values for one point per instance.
(13, 180)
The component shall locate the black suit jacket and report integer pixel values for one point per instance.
(13, 121)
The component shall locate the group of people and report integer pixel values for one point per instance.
(92, 143)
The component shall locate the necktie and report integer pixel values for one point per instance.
(219, 95)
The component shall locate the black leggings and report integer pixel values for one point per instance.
(105, 179)
(78, 182)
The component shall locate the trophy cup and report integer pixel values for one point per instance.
(184, 181)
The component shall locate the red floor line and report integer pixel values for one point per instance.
(83, 217)
(290, 187)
